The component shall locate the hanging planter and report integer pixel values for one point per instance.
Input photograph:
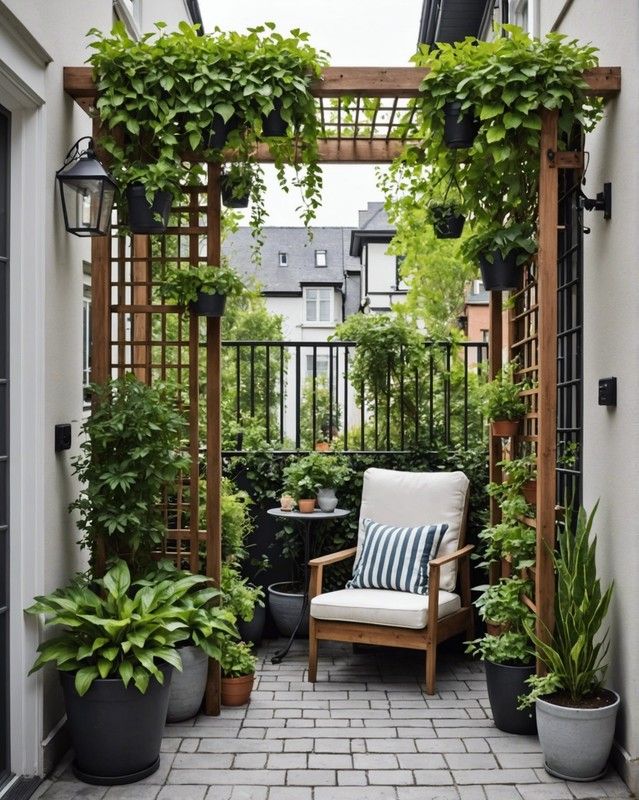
(220, 130)
(460, 129)
(202, 289)
(529, 490)
(145, 217)
(235, 183)
(505, 428)
(447, 222)
(209, 305)
(499, 273)
(273, 124)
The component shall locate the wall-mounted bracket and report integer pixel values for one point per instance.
(602, 202)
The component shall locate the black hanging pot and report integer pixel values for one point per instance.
(459, 131)
(116, 732)
(273, 124)
(228, 197)
(143, 215)
(449, 226)
(220, 130)
(502, 273)
(505, 683)
(209, 305)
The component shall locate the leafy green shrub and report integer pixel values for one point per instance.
(501, 603)
(509, 539)
(239, 596)
(511, 647)
(182, 286)
(501, 397)
(112, 628)
(237, 659)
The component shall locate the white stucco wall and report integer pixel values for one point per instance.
(611, 347)
(380, 277)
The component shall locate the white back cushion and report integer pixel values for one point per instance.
(417, 498)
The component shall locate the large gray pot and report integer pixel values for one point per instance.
(188, 686)
(576, 741)
(286, 608)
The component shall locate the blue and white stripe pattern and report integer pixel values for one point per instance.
(396, 558)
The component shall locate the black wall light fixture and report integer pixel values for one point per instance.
(87, 191)
(602, 202)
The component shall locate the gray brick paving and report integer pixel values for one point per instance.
(366, 729)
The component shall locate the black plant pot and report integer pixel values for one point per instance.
(253, 631)
(502, 273)
(459, 131)
(209, 305)
(450, 226)
(273, 124)
(116, 732)
(228, 198)
(505, 684)
(220, 130)
(142, 215)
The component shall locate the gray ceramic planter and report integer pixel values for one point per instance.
(187, 687)
(286, 608)
(326, 499)
(576, 741)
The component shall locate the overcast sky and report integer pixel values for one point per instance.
(356, 33)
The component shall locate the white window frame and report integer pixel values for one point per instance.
(321, 365)
(329, 292)
(282, 259)
(318, 258)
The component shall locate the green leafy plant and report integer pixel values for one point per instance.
(315, 471)
(513, 237)
(437, 212)
(182, 286)
(112, 628)
(240, 596)
(511, 647)
(237, 659)
(573, 653)
(132, 449)
(501, 397)
(509, 539)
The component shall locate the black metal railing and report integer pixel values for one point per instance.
(298, 395)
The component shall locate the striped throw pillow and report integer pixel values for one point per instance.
(396, 558)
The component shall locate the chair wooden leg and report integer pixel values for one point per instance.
(470, 627)
(431, 669)
(312, 653)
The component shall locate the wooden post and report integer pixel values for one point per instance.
(213, 426)
(141, 296)
(495, 345)
(547, 376)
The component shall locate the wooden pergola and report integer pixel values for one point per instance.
(127, 318)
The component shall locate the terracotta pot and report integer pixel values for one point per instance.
(529, 490)
(306, 506)
(505, 427)
(322, 447)
(237, 691)
(495, 628)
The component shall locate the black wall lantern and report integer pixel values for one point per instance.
(87, 191)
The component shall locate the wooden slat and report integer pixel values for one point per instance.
(347, 81)
(141, 295)
(495, 344)
(213, 427)
(547, 378)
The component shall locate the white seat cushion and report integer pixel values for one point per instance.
(381, 607)
(410, 499)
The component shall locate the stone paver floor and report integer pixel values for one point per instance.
(365, 731)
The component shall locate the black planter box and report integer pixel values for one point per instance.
(229, 200)
(220, 130)
(450, 226)
(505, 684)
(273, 124)
(209, 305)
(502, 274)
(143, 215)
(459, 132)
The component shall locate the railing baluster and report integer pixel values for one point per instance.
(282, 396)
(298, 394)
(346, 398)
(267, 400)
(252, 380)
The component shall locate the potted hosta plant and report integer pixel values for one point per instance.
(203, 289)
(132, 449)
(238, 673)
(115, 649)
(208, 625)
(502, 403)
(576, 715)
(507, 653)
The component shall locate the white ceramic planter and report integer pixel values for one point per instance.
(326, 500)
(576, 741)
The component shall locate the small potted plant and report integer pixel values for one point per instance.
(207, 624)
(507, 652)
(301, 483)
(115, 651)
(446, 218)
(236, 182)
(203, 289)
(502, 403)
(576, 716)
(238, 672)
(522, 474)
(330, 471)
(501, 249)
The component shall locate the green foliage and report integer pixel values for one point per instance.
(319, 413)
(511, 647)
(501, 397)
(574, 659)
(236, 521)
(182, 286)
(239, 596)
(237, 659)
(112, 628)
(501, 603)
(164, 91)
(304, 476)
(509, 539)
(132, 450)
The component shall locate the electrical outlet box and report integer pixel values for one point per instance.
(607, 391)
(62, 437)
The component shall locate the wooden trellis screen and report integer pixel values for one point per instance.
(134, 331)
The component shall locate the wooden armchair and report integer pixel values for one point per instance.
(393, 618)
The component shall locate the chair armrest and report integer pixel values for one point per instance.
(332, 558)
(457, 555)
